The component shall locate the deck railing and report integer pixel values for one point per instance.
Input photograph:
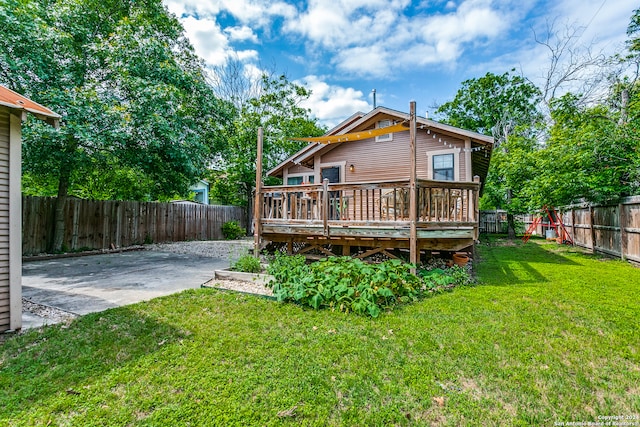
(373, 203)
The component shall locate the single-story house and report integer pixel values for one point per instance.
(13, 110)
(366, 203)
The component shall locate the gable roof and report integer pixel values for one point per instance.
(15, 101)
(359, 121)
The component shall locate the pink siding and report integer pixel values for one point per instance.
(389, 160)
(295, 169)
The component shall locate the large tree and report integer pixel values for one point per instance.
(132, 93)
(277, 110)
(505, 106)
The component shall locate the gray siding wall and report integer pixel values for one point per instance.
(4, 220)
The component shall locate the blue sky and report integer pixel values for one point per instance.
(406, 50)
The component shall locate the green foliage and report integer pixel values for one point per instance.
(496, 105)
(231, 230)
(139, 119)
(344, 283)
(591, 154)
(276, 109)
(248, 264)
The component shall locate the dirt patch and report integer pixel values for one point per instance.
(239, 286)
(54, 314)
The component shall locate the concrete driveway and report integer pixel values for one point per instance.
(94, 283)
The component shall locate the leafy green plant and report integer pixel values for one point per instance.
(248, 264)
(440, 278)
(231, 230)
(344, 283)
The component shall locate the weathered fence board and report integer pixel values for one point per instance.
(610, 229)
(495, 222)
(101, 224)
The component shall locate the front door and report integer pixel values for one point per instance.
(333, 175)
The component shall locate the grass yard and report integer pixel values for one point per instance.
(550, 335)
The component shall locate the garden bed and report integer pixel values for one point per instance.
(251, 283)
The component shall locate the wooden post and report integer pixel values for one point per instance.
(592, 231)
(476, 208)
(573, 224)
(257, 208)
(325, 206)
(414, 253)
(622, 218)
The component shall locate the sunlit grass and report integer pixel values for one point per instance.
(549, 335)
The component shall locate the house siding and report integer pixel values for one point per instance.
(389, 160)
(5, 285)
(296, 169)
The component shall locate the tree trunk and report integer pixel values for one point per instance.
(511, 226)
(61, 202)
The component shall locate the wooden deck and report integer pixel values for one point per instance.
(367, 218)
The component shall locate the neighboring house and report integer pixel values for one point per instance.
(366, 160)
(13, 110)
(201, 190)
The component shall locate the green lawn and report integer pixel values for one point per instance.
(549, 335)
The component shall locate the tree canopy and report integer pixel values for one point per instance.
(136, 107)
(581, 152)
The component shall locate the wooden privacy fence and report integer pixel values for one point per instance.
(610, 229)
(102, 224)
(495, 222)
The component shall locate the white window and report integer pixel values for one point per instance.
(443, 167)
(387, 137)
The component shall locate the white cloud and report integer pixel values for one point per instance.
(335, 24)
(241, 34)
(331, 104)
(208, 39)
(423, 40)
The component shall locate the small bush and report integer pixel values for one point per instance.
(231, 230)
(344, 283)
(247, 264)
(440, 279)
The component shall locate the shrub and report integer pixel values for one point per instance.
(247, 264)
(439, 279)
(344, 283)
(231, 230)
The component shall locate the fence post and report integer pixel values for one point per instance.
(414, 252)
(325, 206)
(476, 207)
(592, 230)
(622, 219)
(573, 224)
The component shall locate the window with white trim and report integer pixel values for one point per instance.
(383, 124)
(443, 167)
